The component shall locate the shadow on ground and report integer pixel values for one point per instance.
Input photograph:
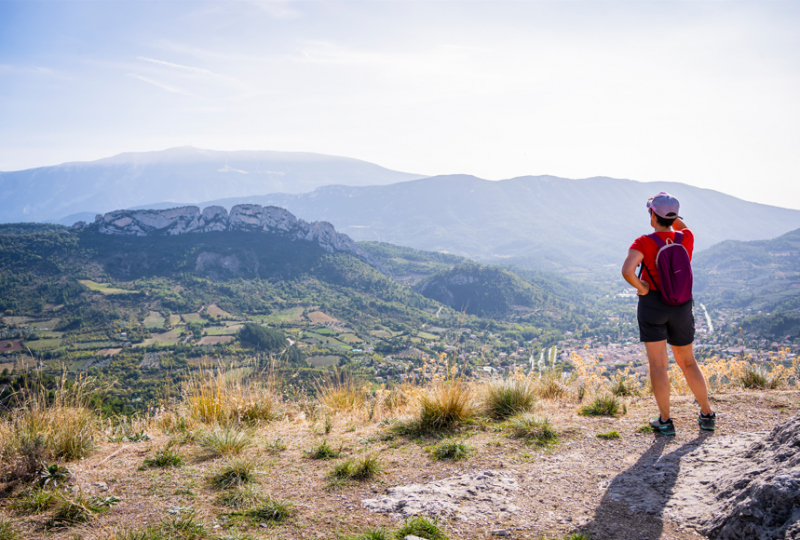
(632, 507)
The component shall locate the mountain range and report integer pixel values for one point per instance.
(187, 174)
(544, 222)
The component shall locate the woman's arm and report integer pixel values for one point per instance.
(629, 271)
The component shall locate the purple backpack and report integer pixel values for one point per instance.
(674, 270)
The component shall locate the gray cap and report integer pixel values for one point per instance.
(664, 205)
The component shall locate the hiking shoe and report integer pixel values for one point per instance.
(665, 428)
(709, 423)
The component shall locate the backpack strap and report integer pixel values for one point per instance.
(657, 239)
(678, 237)
(652, 281)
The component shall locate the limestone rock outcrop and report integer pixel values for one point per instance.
(243, 217)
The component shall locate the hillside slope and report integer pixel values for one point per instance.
(538, 222)
(186, 174)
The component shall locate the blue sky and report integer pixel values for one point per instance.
(699, 92)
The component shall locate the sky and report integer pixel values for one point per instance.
(706, 93)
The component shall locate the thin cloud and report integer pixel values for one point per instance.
(278, 9)
(163, 86)
(176, 66)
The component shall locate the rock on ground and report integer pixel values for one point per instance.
(739, 489)
(467, 497)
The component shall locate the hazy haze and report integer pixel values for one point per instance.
(698, 92)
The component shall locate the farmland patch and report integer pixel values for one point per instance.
(103, 288)
(213, 340)
(43, 344)
(218, 312)
(154, 320)
(323, 360)
(320, 317)
(190, 317)
(167, 338)
(282, 316)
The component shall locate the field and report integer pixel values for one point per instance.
(381, 333)
(282, 316)
(104, 288)
(108, 352)
(167, 338)
(44, 325)
(43, 344)
(95, 345)
(191, 317)
(214, 311)
(426, 335)
(154, 320)
(10, 345)
(213, 340)
(320, 317)
(174, 319)
(223, 330)
(351, 338)
(323, 361)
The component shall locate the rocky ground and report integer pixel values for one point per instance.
(638, 487)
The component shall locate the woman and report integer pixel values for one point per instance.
(661, 323)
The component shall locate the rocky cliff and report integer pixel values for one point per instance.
(243, 217)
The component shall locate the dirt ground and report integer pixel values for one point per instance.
(583, 483)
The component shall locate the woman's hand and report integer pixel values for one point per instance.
(645, 288)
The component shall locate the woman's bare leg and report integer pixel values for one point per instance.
(684, 356)
(659, 376)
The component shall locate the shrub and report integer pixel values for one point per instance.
(422, 527)
(535, 430)
(452, 450)
(164, 458)
(236, 473)
(609, 435)
(758, 377)
(444, 405)
(271, 509)
(225, 441)
(607, 405)
(506, 397)
(621, 387)
(324, 451)
(239, 498)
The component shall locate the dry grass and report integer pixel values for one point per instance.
(214, 399)
(503, 398)
(444, 405)
(341, 394)
(55, 424)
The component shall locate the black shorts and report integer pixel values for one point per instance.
(659, 321)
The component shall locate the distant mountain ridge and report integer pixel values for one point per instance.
(542, 222)
(187, 174)
(242, 218)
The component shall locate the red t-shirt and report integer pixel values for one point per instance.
(649, 249)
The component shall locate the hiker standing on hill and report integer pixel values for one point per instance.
(665, 313)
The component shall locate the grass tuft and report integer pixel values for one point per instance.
(239, 498)
(444, 405)
(534, 429)
(35, 501)
(236, 473)
(363, 468)
(7, 532)
(227, 441)
(504, 398)
(607, 405)
(164, 458)
(324, 451)
(422, 527)
(271, 509)
(759, 378)
(450, 450)
(215, 399)
(609, 435)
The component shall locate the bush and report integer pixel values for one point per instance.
(236, 473)
(444, 405)
(451, 450)
(535, 430)
(507, 397)
(608, 405)
(225, 441)
(422, 527)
